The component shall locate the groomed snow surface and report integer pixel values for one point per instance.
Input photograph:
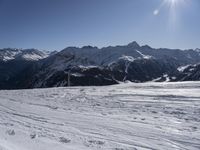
(155, 116)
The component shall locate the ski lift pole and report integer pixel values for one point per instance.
(68, 78)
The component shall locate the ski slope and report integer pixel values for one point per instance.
(143, 116)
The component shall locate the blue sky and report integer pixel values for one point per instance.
(56, 24)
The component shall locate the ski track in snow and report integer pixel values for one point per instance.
(143, 116)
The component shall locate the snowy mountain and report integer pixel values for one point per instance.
(93, 66)
(15, 62)
(23, 54)
(189, 73)
(197, 50)
(110, 54)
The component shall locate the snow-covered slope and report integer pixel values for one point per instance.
(144, 116)
(23, 54)
(189, 73)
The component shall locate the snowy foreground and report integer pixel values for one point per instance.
(156, 116)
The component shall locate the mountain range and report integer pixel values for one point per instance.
(32, 68)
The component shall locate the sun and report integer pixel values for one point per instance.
(171, 4)
(173, 1)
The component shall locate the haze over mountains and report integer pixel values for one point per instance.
(89, 65)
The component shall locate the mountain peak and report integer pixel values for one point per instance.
(147, 46)
(133, 44)
(197, 50)
(89, 47)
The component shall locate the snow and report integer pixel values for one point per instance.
(182, 68)
(127, 116)
(34, 57)
(7, 58)
(197, 50)
(127, 58)
(27, 54)
(157, 79)
(7, 55)
(77, 74)
(167, 77)
(144, 56)
(87, 67)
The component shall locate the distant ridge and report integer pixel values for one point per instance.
(90, 65)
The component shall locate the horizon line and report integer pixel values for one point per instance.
(98, 47)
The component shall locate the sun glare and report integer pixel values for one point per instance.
(173, 1)
(171, 4)
(172, 7)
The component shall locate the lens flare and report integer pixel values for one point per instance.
(171, 4)
(173, 8)
(156, 12)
